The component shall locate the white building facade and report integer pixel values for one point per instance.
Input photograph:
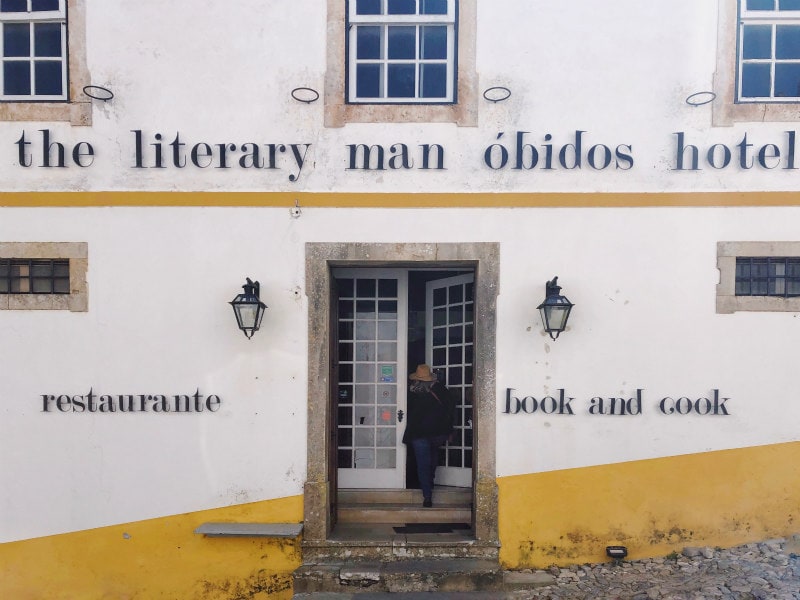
(402, 177)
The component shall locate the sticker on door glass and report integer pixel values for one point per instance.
(387, 374)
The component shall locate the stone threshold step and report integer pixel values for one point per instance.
(412, 596)
(432, 578)
(412, 575)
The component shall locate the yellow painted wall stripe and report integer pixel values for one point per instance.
(653, 507)
(398, 200)
(157, 559)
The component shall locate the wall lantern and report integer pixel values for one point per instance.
(248, 308)
(555, 309)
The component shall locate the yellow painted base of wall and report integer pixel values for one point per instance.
(653, 507)
(158, 559)
(562, 517)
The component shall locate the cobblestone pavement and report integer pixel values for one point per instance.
(768, 570)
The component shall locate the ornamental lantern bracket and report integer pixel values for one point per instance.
(248, 308)
(555, 309)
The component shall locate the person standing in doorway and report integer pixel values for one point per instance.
(430, 423)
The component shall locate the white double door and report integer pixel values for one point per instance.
(370, 332)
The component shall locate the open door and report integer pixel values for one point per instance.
(370, 320)
(333, 426)
(450, 329)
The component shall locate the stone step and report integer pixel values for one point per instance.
(403, 513)
(445, 578)
(413, 596)
(444, 495)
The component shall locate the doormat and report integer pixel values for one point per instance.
(431, 527)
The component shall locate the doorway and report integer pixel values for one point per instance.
(366, 376)
(387, 321)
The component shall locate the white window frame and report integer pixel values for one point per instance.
(763, 17)
(385, 21)
(33, 18)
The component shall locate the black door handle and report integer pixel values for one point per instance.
(399, 416)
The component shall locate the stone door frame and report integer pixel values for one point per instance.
(321, 257)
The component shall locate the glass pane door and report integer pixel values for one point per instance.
(450, 323)
(371, 326)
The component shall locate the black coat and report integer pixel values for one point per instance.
(429, 414)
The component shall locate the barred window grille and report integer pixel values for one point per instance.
(34, 276)
(768, 277)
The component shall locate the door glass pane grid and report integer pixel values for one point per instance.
(367, 323)
(452, 353)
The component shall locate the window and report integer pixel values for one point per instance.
(43, 276)
(43, 52)
(768, 276)
(401, 51)
(401, 61)
(758, 276)
(769, 51)
(34, 49)
(34, 276)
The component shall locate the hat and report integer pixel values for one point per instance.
(423, 373)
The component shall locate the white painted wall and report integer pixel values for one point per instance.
(643, 280)
(223, 72)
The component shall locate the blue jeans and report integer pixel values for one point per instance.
(427, 450)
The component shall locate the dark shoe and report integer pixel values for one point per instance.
(427, 503)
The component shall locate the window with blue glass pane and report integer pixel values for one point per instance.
(433, 7)
(402, 80)
(368, 7)
(787, 41)
(402, 51)
(756, 81)
(13, 5)
(48, 78)
(402, 7)
(16, 40)
(47, 39)
(33, 49)
(757, 41)
(434, 81)
(433, 42)
(368, 81)
(769, 51)
(402, 40)
(17, 78)
(369, 42)
(41, 5)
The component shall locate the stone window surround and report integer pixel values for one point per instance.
(725, 111)
(78, 109)
(77, 253)
(727, 300)
(463, 113)
(320, 259)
